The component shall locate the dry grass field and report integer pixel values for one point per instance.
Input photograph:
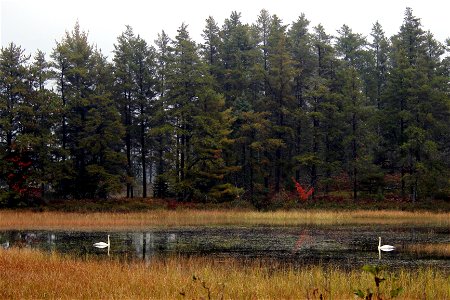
(16, 219)
(435, 249)
(29, 274)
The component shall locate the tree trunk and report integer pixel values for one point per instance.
(278, 171)
(354, 158)
(315, 150)
(130, 189)
(143, 161)
(160, 169)
(177, 164)
(402, 152)
(64, 126)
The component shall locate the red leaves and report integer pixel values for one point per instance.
(302, 193)
(18, 172)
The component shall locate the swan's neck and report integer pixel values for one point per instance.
(379, 242)
(108, 239)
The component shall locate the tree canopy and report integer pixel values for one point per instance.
(249, 113)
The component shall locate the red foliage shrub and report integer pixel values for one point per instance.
(18, 172)
(302, 193)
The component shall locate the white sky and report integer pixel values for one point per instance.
(37, 24)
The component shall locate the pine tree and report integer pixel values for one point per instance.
(379, 49)
(236, 56)
(41, 114)
(91, 136)
(321, 109)
(102, 135)
(303, 64)
(135, 90)
(403, 83)
(200, 125)
(210, 49)
(378, 71)
(14, 95)
(254, 141)
(263, 25)
(161, 131)
(125, 102)
(143, 73)
(14, 89)
(28, 115)
(430, 148)
(359, 138)
(238, 115)
(281, 102)
(418, 103)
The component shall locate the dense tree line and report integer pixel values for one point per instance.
(243, 114)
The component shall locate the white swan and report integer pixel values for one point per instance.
(5, 245)
(102, 244)
(384, 247)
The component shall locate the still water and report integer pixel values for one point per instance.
(345, 246)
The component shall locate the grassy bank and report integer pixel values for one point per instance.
(434, 249)
(14, 219)
(33, 275)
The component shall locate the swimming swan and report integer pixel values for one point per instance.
(102, 244)
(384, 247)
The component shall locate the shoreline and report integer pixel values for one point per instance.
(49, 220)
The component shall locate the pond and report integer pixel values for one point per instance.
(345, 246)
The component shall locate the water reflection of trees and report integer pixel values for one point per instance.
(307, 245)
(147, 244)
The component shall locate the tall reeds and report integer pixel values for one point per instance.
(426, 249)
(28, 274)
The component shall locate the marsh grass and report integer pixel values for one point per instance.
(28, 274)
(442, 250)
(13, 219)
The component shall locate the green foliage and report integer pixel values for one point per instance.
(200, 125)
(236, 116)
(91, 130)
(224, 192)
(417, 113)
(11, 199)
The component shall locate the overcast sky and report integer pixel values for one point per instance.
(37, 24)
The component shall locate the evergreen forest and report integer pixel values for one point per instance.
(246, 114)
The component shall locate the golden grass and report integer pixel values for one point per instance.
(188, 217)
(435, 249)
(28, 274)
